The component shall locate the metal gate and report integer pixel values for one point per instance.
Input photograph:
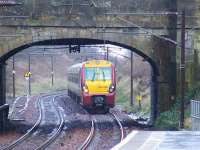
(195, 115)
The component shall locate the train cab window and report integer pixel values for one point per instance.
(105, 73)
(101, 73)
(90, 73)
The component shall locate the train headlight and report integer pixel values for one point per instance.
(111, 88)
(85, 89)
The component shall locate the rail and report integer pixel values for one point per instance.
(25, 136)
(89, 138)
(58, 131)
(195, 115)
(92, 132)
(38, 122)
(119, 124)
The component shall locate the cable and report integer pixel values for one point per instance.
(147, 32)
(165, 13)
(93, 3)
(70, 11)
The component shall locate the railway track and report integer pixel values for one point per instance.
(41, 119)
(91, 135)
(119, 124)
(58, 131)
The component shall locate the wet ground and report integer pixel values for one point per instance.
(161, 140)
(24, 114)
(8, 137)
(23, 117)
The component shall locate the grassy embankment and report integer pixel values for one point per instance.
(123, 96)
(43, 86)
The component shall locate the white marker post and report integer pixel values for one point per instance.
(27, 77)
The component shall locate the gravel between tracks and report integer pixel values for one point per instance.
(70, 139)
(8, 137)
(25, 116)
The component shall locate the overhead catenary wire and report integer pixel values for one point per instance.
(69, 4)
(164, 13)
(9, 3)
(93, 3)
(70, 11)
(147, 32)
(17, 17)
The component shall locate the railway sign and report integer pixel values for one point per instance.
(74, 48)
(27, 75)
(139, 98)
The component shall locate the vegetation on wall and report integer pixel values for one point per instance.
(169, 120)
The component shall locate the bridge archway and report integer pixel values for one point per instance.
(85, 41)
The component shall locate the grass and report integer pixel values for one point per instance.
(123, 100)
(168, 120)
(42, 86)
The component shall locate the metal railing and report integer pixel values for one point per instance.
(195, 115)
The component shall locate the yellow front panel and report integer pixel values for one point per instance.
(98, 86)
(94, 80)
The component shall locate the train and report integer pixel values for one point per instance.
(93, 84)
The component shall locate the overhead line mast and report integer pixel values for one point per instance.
(182, 70)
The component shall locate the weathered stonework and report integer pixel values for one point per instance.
(53, 19)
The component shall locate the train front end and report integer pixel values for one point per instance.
(98, 84)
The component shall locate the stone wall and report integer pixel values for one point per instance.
(59, 19)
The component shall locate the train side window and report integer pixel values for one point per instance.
(72, 78)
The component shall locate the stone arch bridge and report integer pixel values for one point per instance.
(30, 23)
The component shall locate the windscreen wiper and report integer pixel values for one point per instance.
(93, 76)
(104, 76)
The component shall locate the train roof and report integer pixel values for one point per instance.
(98, 63)
(91, 63)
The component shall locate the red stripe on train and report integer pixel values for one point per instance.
(113, 75)
(83, 74)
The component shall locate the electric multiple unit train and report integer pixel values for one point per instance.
(92, 84)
